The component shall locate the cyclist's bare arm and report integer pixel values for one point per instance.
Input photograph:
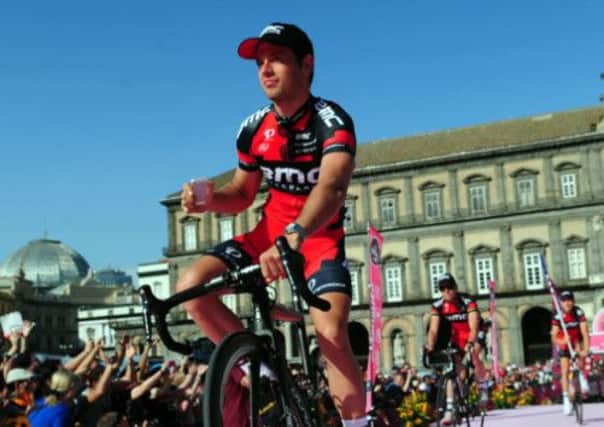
(474, 322)
(432, 332)
(234, 197)
(328, 195)
(585, 337)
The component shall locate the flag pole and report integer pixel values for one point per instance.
(370, 375)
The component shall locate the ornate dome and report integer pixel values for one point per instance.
(47, 263)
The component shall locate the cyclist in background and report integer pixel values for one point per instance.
(578, 334)
(461, 312)
(304, 148)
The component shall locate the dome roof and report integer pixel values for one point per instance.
(47, 263)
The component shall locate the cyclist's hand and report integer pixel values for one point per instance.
(271, 266)
(188, 202)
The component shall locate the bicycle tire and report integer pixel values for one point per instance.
(578, 399)
(274, 407)
(462, 409)
(441, 401)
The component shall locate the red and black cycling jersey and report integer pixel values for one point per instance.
(456, 313)
(572, 320)
(288, 152)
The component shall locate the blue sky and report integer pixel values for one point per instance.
(108, 106)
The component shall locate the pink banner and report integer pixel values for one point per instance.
(494, 342)
(376, 242)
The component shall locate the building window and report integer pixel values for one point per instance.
(436, 263)
(569, 173)
(530, 251)
(432, 198)
(354, 282)
(432, 204)
(436, 269)
(484, 262)
(576, 257)
(533, 276)
(478, 193)
(388, 210)
(388, 205)
(226, 229)
(484, 273)
(576, 263)
(526, 192)
(568, 185)
(393, 276)
(478, 199)
(349, 217)
(190, 236)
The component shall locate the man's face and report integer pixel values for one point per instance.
(448, 293)
(567, 304)
(281, 76)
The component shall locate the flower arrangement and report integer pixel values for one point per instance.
(527, 397)
(504, 396)
(415, 410)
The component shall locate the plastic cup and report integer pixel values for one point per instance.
(201, 190)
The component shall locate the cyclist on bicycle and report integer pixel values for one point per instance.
(304, 147)
(576, 326)
(463, 316)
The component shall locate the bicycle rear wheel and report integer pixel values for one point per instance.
(242, 389)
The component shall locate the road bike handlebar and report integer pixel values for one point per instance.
(156, 309)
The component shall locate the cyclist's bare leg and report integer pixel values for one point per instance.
(460, 369)
(343, 371)
(479, 368)
(564, 363)
(209, 313)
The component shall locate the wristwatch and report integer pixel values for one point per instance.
(294, 227)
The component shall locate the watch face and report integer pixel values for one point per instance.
(272, 292)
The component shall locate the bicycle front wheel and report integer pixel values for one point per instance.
(578, 399)
(242, 388)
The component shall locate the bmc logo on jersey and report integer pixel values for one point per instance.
(457, 317)
(291, 180)
(290, 175)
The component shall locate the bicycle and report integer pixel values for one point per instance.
(461, 410)
(253, 357)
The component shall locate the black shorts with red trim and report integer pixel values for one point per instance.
(326, 272)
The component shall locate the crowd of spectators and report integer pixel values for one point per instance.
(123, 387)
(126, 387)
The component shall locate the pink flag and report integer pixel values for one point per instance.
(377, 299)
(495, 344)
